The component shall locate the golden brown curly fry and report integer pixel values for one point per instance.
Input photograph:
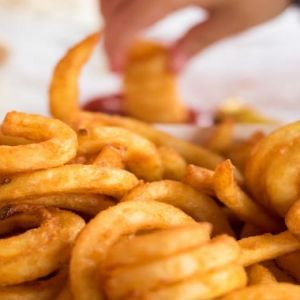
(55, 143)
(150, 92)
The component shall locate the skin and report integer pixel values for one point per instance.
(126, 19)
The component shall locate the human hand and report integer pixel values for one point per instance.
(125, 19)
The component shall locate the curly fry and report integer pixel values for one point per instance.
(146, 276)
(199, 206)
(274, 291)
(238, 201)
(69, 179)
(140, 156)
(56, 143)
(106, 229)
(88, 204)
(53, 238)
(48, 288)
(64, 89)
(150, 92)
(270, 247)
(271, 173)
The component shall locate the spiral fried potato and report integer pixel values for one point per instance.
(106, 207)
(87, 204)
(140, 155)
(270, 171)
(228, 192)
(64, 89)
(143, 249)
(194, 203)
(73, 178)
(43, 289)
(43, 248)
(274, 291)
(56, 143)
(150, 92)
(189, 272)
(107, 228)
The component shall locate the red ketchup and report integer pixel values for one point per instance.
(193, 117)
(110, 104)
(113, 105)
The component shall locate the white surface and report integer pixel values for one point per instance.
(262, 66)
(199, 135)
(37, 36)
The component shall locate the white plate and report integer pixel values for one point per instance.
(198, 135)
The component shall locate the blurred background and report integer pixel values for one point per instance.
(260, 67)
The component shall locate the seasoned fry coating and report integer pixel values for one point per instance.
(101, 207)
(150, 92)
(55, 144)
(271, 173)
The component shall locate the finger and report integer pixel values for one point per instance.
(108, 7)
(198, 38)
(222, 23)
(126, 22)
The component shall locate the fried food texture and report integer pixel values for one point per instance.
(267, 291)
(140, 155)
(271, 173)
(36, 242)
(101, 207)
(106, 229)
(54, 143)
(64, 105)
(194, 203)
(150, 92)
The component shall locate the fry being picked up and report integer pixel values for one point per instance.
(150, 92)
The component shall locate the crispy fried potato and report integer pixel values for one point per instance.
(172, 241)
(150, 89)
(204, 234)
(208, 286)
(271, 174)
(141, 156)
(241, 148)
(56, 143)
(46, 288)
(174, 164)
(198, 205)
(111, 156)
(54, 237)
(64, 89)
(222, 138)
(65, 293)
(104, 230)
(63, 93)
(290, 263)
(69, 179)
(228, 192)
(87, 204)
(175, 271)
(267, 246)
(258, 274)
(200, 179)
(279, 273)
(267, 291)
